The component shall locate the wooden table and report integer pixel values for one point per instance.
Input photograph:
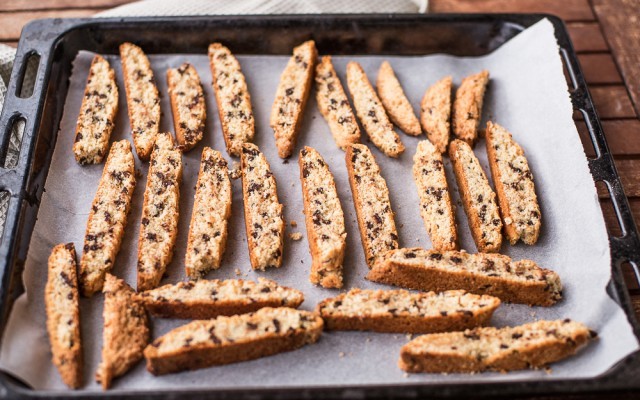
(605, 33)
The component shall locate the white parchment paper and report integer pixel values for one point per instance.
(527, 94)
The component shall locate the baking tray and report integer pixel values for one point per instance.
(57, 41)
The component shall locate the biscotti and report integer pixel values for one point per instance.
(334, 105)
(371, 201)
(403, 312)
(262, 210)
(232, 96)
(478, 199)
(160, 212)
(371, 112)
(227, 340)
(492, 274)
(63, 314)
(210, 215)
(467, 107)
(435, 200)
(206, 299)
(97, 113)
(143, 99)
(324, 219)
(291, 97)
(126, 331)
(108, 217)
(435, 112)
(514, 185)
(532, 345)
(187, 105)
(395, 101)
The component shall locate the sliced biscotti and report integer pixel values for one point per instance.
(205, 299)
(160, 212)
(435, 111)
(435, 200)
(227, 340)
(324, 219)
(187, 105)
(467, 107)
(262, 210)
(492, 274)
(232, 96)
(404, 312)
(108, 217)
(514, 185)
(334, 105)
(371, 112)
(532, 345)
(395, 101)
(63, 314)
(478, 199)
(126, 331)
(371, 201)
(291, 97)
(210, 215)
(97, 113)
(143, 99)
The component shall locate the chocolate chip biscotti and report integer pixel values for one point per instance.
(324, 219)
(435, 111)
(291, 97)
(395, 101)
(206, 299)
(160, 212)
(532, 345)
(143, 99)
(491, 274)
(187, 105)
(371, 201)
(97, 113)
(467, 107)
(63, 314)
(514, 186)
(404, 312)
(227, 340)
(108, 217)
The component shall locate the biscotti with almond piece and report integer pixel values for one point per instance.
(97, 113)
(324, 219)
(143, 99)
(435, 199)
(334, 105)
(478, 199)
(160, 212)
(371, 201)
(395, 101)
(263, 217)
(435, 112)
(491, 274)
(63, 314)
(467, 107)
(291, 97)
(126, 331)
(400, 311)
(226, 340)
(211, 211)
(514, 185)
(108, 217)
(187, 105)
(533, 345)
(206, 299)
(232, 96)
(371, 112)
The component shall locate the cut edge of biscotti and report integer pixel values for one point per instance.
(435, 113)
(396, 103)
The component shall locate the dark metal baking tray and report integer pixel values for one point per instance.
(57, 41)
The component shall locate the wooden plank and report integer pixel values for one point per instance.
(587, 37)
(11, 23)
(599, 68)
(623, 137)
(569, 10)
(31, 5)
(629, 171)
(612, 102)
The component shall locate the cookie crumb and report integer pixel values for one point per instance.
(295, 236)
(293, 223)
(406, 375)
(409, 336)
(238, 272)
(341, 354)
